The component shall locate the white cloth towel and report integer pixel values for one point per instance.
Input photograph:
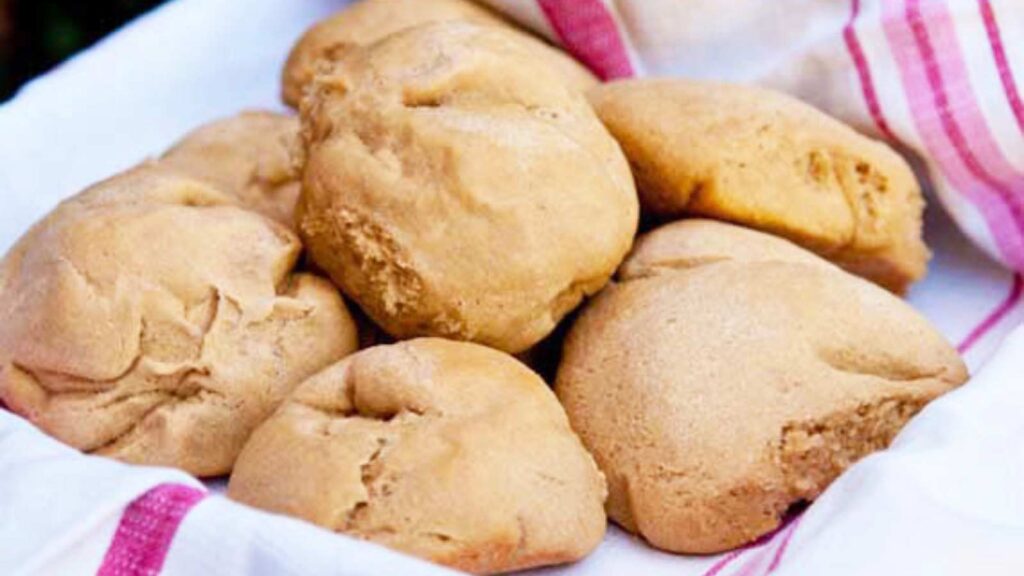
(945, 499)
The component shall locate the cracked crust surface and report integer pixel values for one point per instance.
(249, 155)
(455, 187)
(152, 320)
(447, 450)
(765, 160)
(367, 21)
(723, 381)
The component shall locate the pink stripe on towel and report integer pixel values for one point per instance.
(147, 528)
(860, 63)
(995, 40)
(945, 110)
(994, 317)
(589, 32)
(776, 540)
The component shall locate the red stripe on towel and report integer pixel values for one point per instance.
(589, 32)
(947, 115)
(777, 540)
(724, 561)
(146, 530)
(994, 317)
(860, 63)
(995, 40)
(780, 552)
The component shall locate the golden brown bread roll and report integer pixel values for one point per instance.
(763, 159)
(152, 320)
(720, 383)
(455, 187)
(447, 450)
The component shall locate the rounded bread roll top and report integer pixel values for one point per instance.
(447, 450)
(718, 384)
(152, 320)
(368, 21)
(250, 156)
(766, 160)
(455, 187)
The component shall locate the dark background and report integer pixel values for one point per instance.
(35, 35)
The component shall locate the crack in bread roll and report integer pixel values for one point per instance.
(763, 159)
(249, 155)
(455, 187)
(367, 21)
(721, 382)
(450, 451)
(152, 320)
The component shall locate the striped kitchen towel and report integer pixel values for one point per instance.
(938, 78)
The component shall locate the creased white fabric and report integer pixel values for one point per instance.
(946, 499)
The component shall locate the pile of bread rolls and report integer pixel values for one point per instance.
(460, 189)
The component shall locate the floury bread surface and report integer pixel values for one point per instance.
(455, 187)
(729, 375)
(153, 320)
(451, 451)
(768, 161)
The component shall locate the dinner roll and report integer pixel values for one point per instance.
(447, 450)
(766, 160)
(455, 187)
(153, 320)
(719, 384)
